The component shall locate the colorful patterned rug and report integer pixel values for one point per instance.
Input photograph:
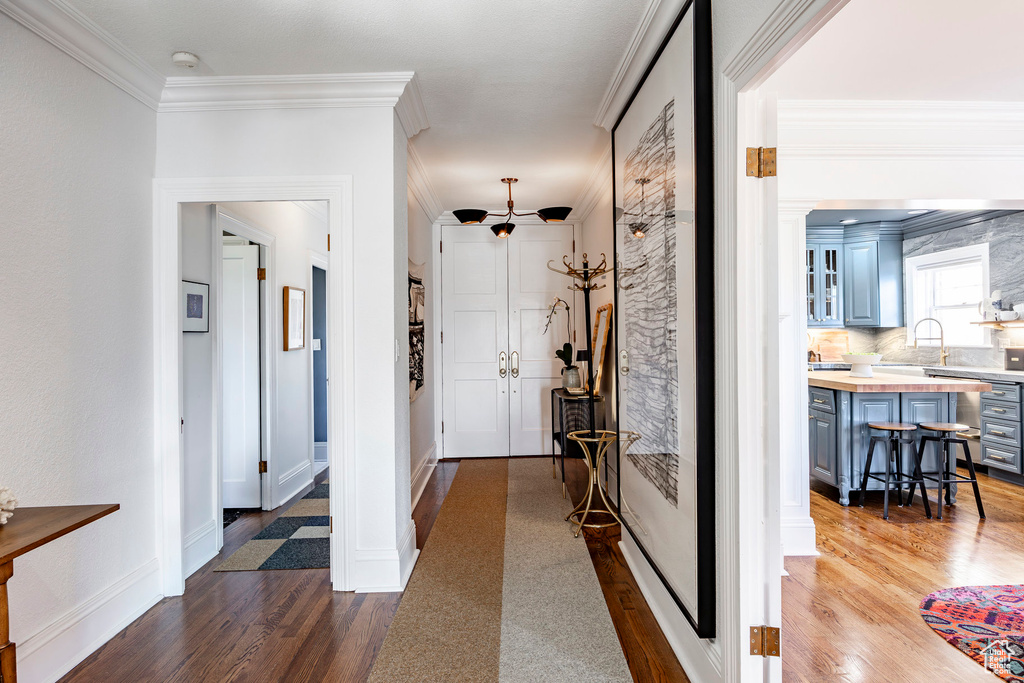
(984, 622)
(298, 539)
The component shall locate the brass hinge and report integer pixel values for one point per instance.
(331, 529)
(442, 426)
(328, 241)
(263, 466)
(574, 245)
(442, 336)
(261, 273)
(761, 162)
(440, 247)
(765, 641)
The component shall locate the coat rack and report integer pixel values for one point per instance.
(583, 281)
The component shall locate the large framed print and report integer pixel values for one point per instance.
(664, 290)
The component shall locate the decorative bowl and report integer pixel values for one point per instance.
(860, 363)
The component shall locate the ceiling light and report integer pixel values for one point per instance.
(917, 212)
(552, 214)
(849, 221)
(186, 59)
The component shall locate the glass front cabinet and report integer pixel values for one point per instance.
(824, 284)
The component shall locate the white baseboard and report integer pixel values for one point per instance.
(700, 659)
(421, 473)
(294, 480)
(798, 538)
(320, 451)
(200, 547)
(386, 571)
(63, 644)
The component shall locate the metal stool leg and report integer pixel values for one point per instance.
(974, 476)
(897, 448)
(888, 478)
(919, 479)
(867, 470)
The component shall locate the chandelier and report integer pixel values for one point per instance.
(639, 227)
(552, 214)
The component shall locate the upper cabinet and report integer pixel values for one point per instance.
(854, 276)
(824, 284)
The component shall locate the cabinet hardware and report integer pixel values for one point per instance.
(819, 400)
(999, 393)
(998, 410)
(995, 432)
(996, 457)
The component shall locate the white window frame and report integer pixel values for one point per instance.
(948, 257)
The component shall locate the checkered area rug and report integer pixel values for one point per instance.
(298, 539)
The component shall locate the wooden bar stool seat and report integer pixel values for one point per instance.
(893, 444)
(946, 442)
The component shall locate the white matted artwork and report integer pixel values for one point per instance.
(417, 315)
(294, 318)
(195, 306)
(664, 287)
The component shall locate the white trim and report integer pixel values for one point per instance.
(436, 319)
(321, 448)
(972, 253)
(799, 538)
(317, 210)
(398, 90)
(168, 193)
(296, 473)
(598, 186)
(387, 571)
(420, 186)
(897, 151)
(421, 473)
(79, 37)
(61, 645)
(320, 451)
(899, 115)
(201, 546)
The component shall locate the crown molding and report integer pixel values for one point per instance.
(399, 90)
(928, 224)
(599, 183)
(650, 34)
(75, 34)
(421, 188)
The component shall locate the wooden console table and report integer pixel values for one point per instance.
(26, 530)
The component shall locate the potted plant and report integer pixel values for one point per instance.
(570, 373)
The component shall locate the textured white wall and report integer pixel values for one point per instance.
(76, 359)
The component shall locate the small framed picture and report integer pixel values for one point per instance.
(294, 318)
(195, 304)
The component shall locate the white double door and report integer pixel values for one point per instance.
(499, 365)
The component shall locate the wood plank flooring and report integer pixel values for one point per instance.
(290, 626)
(851, 614)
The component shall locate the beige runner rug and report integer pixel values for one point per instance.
(448, 625)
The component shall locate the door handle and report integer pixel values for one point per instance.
(624, 362)
(515, 363)
(502, 359)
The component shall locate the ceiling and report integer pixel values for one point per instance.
(831, 217)
(510, 88)
(911, 50)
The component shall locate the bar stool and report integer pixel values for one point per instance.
(892, 444)
(946, 444)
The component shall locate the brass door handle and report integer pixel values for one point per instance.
(502, 364)
(515, 363)
(624, 362)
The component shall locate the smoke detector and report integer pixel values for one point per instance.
(186, 59)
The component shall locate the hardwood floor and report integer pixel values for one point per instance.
(851, 614)
(290, 626)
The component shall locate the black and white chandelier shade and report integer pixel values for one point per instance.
(552, 214)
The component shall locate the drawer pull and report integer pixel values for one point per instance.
(996, 432)
(996, 457)
(998, 410)
(819, 400)
(999, 393)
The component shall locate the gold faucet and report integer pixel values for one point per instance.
(943, 352)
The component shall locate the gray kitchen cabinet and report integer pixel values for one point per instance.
(873, 283)
(824, 284)
(824, 448)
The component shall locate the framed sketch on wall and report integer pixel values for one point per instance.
(417, 315)
(195, 306)
(664, 296)
(294, 318)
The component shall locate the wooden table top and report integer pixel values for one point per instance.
(882, 383)
(30, 528)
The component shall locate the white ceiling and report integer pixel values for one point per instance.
(911, 50)
(510, 88)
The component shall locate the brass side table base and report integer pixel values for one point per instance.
(601, 441)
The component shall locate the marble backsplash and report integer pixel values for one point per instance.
(1006, 272)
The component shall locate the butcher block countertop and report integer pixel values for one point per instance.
(890, 384)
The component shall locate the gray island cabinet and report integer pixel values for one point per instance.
(840, 408)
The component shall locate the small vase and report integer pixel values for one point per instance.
(571, 378)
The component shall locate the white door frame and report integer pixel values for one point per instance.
(239, 226)
(168, 194)
(319, 261)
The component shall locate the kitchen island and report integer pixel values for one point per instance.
(841, 406)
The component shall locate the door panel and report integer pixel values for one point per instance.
(241, 369)
(532, 288)
(860, 262)
(475, 408)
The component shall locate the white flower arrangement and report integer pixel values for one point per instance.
(7, 504)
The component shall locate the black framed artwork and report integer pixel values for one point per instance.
(195, 306)
(664, 292)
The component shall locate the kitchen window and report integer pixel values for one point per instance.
(948, 286)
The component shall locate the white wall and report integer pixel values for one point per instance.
(75, 346)
(423, 441)
(297, 233)
(200, 514)
(329, 142)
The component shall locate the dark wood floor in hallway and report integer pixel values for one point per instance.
(290, 626)
(851, 614)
